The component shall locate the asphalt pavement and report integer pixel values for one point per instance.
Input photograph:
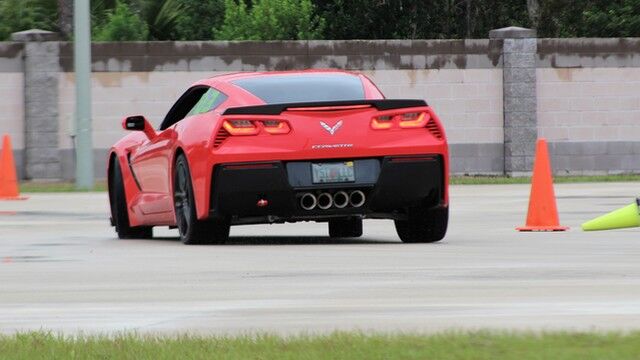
(63, 269)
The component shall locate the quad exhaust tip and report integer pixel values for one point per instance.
(325, 201)
(340, 199)
(308, 201)
(357, 198)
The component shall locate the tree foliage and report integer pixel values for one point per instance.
(122, 24)
(331, 19)
(236, 21)
(593, 18)
(198, 18)
(428, 19)
(19, 15)
(270, 20)
(161, 17)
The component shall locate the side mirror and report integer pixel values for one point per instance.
(139, 123)
(135, 123)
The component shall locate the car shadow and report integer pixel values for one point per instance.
(292, 240)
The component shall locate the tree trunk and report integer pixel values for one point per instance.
(65, 18)
(533, 8)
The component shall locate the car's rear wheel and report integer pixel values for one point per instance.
(119, 212)
(423, 225)
(193, 231)
(344, 228)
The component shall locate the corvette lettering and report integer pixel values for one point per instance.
(331, 146)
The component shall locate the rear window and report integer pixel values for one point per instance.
(276, 89)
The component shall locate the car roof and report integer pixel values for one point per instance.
(240, 97)
(228, 78)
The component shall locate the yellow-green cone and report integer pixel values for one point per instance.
(628, 216)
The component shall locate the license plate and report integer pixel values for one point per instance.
(338, 172)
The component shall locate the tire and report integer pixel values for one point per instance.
(119, 212)
(423, 225)
(193, 231)
(345, 228)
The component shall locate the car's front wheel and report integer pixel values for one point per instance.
(423, 225)
(193, 231)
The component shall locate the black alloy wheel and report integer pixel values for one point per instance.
(193, 231)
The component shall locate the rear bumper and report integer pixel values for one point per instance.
(391, 186)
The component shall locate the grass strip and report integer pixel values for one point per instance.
(339, 345)
(505, 180)
(55, 187)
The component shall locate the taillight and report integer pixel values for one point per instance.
(410, 120)
(382, 122)
(276, 126)
(413, 120)
(245, 127)
(240, 127)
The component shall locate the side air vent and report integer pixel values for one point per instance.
(434, 129)
(221, 136)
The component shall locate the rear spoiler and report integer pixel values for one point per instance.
(277, 109)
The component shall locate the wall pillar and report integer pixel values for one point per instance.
(519, 98)
(41, 68)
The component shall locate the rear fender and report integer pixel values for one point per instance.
(195, 139)
(445, 156)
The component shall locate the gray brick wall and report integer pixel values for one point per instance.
(519, 88)
(595, 157)
(495, 96)
(41, 58)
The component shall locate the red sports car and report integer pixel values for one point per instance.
(275, 147)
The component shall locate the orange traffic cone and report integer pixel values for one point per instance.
(8, 176)
(543, 213)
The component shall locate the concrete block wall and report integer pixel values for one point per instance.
(589, 104)
(12, 98)
(474, 125)
(147, 93)
(468, 101)
(583, 93)
(42, 155)
(146, 78)
(519, 94)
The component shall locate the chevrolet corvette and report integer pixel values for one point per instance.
(277, 147)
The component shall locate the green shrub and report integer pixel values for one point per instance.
(270, 20)
(19, 15)
(122, 24)
(236, 22)
(197, 19)
(621, 18)
(589, 18)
